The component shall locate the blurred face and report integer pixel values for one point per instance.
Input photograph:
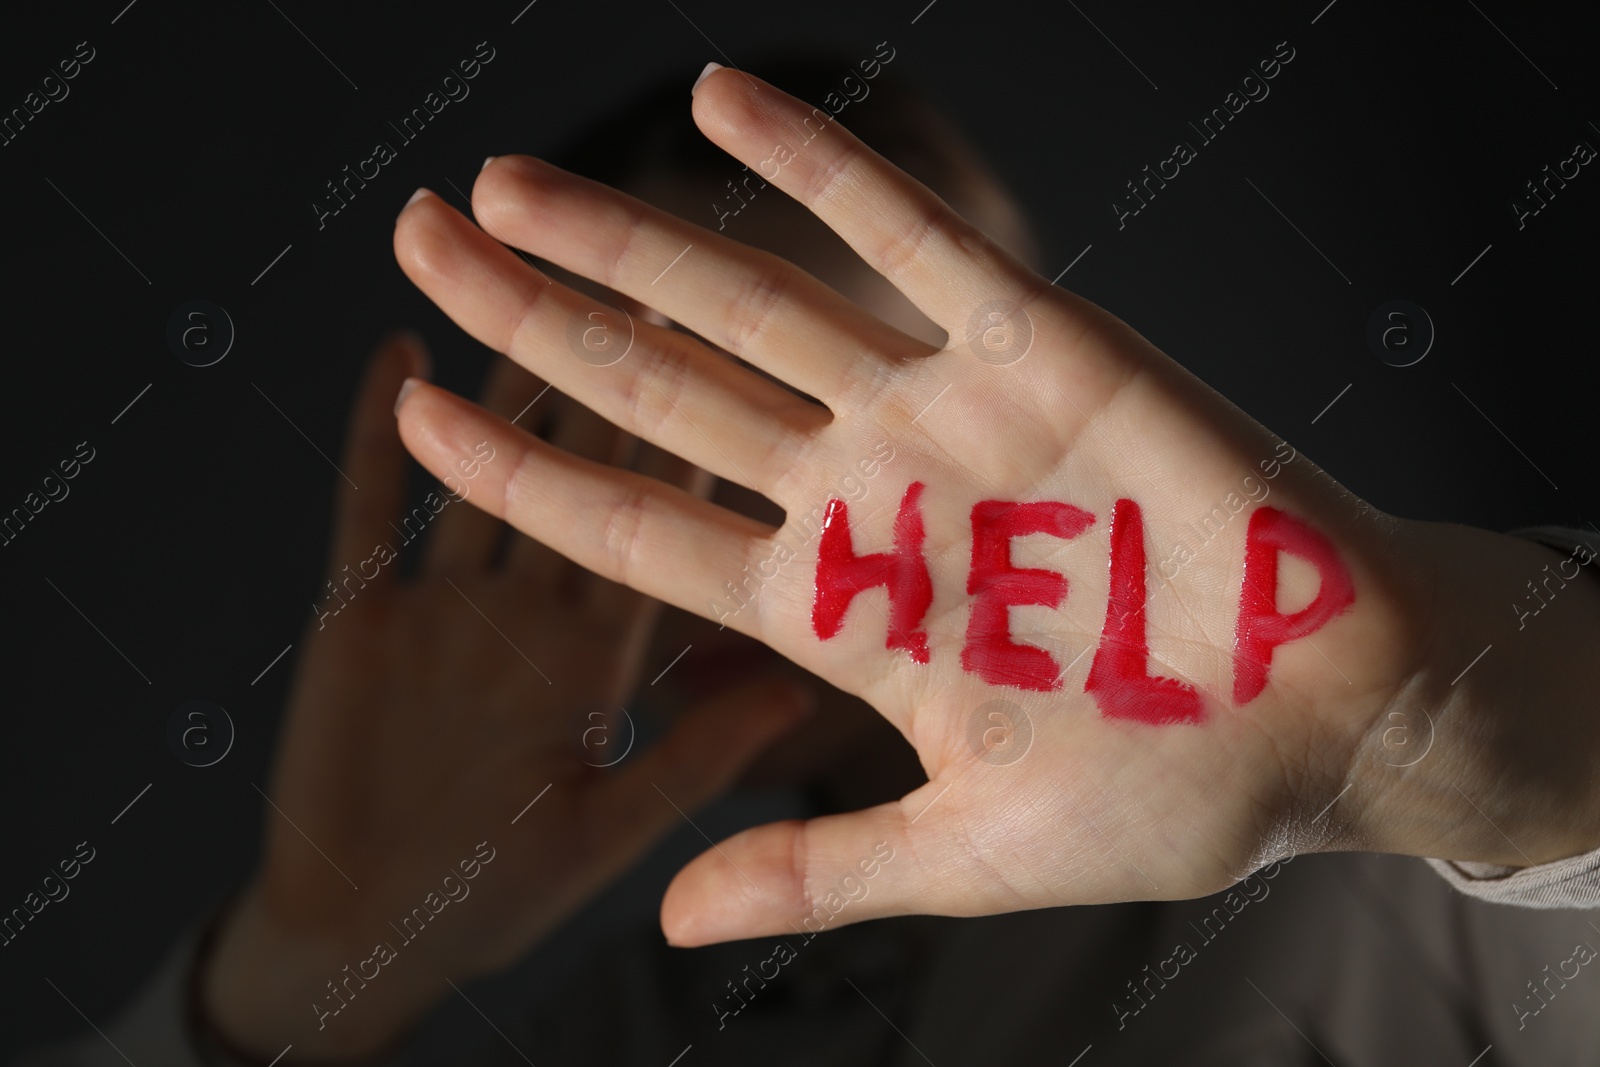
(843, 729)
(779, 225)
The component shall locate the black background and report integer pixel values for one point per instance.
(199, 136)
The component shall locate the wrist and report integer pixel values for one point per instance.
(1488, 753)
(263, 984)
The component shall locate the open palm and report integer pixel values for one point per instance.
(454, 744)
(1152, 728)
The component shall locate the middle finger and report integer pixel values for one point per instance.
(744, 300)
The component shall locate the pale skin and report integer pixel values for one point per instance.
(1098, 810)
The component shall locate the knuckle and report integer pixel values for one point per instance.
(525, 334)
(515, 500)
(631, 225)
(820, 183)
(750, 313)
(652, 392)
(905, 246)
(622, 540)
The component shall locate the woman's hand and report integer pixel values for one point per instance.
(426, 714)
(1141, 646)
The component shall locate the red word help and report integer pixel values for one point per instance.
(1119, 679)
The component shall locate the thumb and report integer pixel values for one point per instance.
(807, 876)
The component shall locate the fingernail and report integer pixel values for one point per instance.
(709, 68)
(486, 161)
(405, 391)
(418, 195)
